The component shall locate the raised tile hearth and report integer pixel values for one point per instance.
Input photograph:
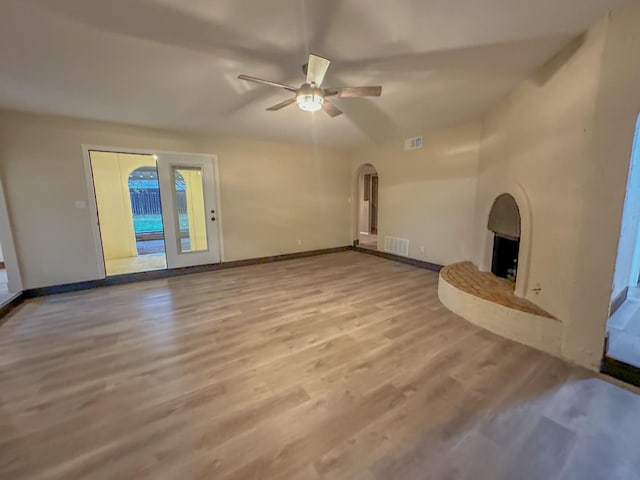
(489, 302)
(486, 285)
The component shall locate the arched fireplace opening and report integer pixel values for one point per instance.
(504, 222)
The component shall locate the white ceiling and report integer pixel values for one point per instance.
(173, 63)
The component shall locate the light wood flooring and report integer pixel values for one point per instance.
(141, 263)
(341, 366)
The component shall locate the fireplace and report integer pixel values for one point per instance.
(505, 256)
(504, 222)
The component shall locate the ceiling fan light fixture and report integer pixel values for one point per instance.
(310, 98)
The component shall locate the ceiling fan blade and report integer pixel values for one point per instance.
(249, 78)
(317, 69)
(346, 92)
(331, 109)
(281, 105)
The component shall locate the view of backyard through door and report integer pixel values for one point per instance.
(152, 210)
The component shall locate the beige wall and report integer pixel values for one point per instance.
(427, 195)
(605, 174)
(537, 140)
(564, 138)
(273, 195)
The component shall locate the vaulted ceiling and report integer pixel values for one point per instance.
(173, 63)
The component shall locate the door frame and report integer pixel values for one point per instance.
(12, 266)
(373, 205)
(93, 205)
(176, 258)
(359, 172)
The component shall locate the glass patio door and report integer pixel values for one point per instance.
(189, 209)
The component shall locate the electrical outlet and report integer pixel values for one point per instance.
(299, 242)
(422, 249)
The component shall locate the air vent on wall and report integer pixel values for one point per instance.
(413, 143)
(399, 246)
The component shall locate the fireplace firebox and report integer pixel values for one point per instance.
(504, 222)
(505, 256)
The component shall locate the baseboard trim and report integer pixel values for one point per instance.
(617, 302)
(620, 370)
(8, 307)
(173, 272)
(398, 258)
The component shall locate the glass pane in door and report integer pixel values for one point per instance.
(189, 202)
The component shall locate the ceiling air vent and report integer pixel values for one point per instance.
(413, 143)
(398, 246)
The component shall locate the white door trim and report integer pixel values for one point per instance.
(93, 206)
(175, 257)
(12, 265)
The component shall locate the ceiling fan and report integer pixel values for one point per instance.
(310, 96)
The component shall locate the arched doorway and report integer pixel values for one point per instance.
(504, 222)
(367, 207)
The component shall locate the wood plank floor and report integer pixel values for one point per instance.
(342, 366)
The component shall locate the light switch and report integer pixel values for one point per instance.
(81, 204)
